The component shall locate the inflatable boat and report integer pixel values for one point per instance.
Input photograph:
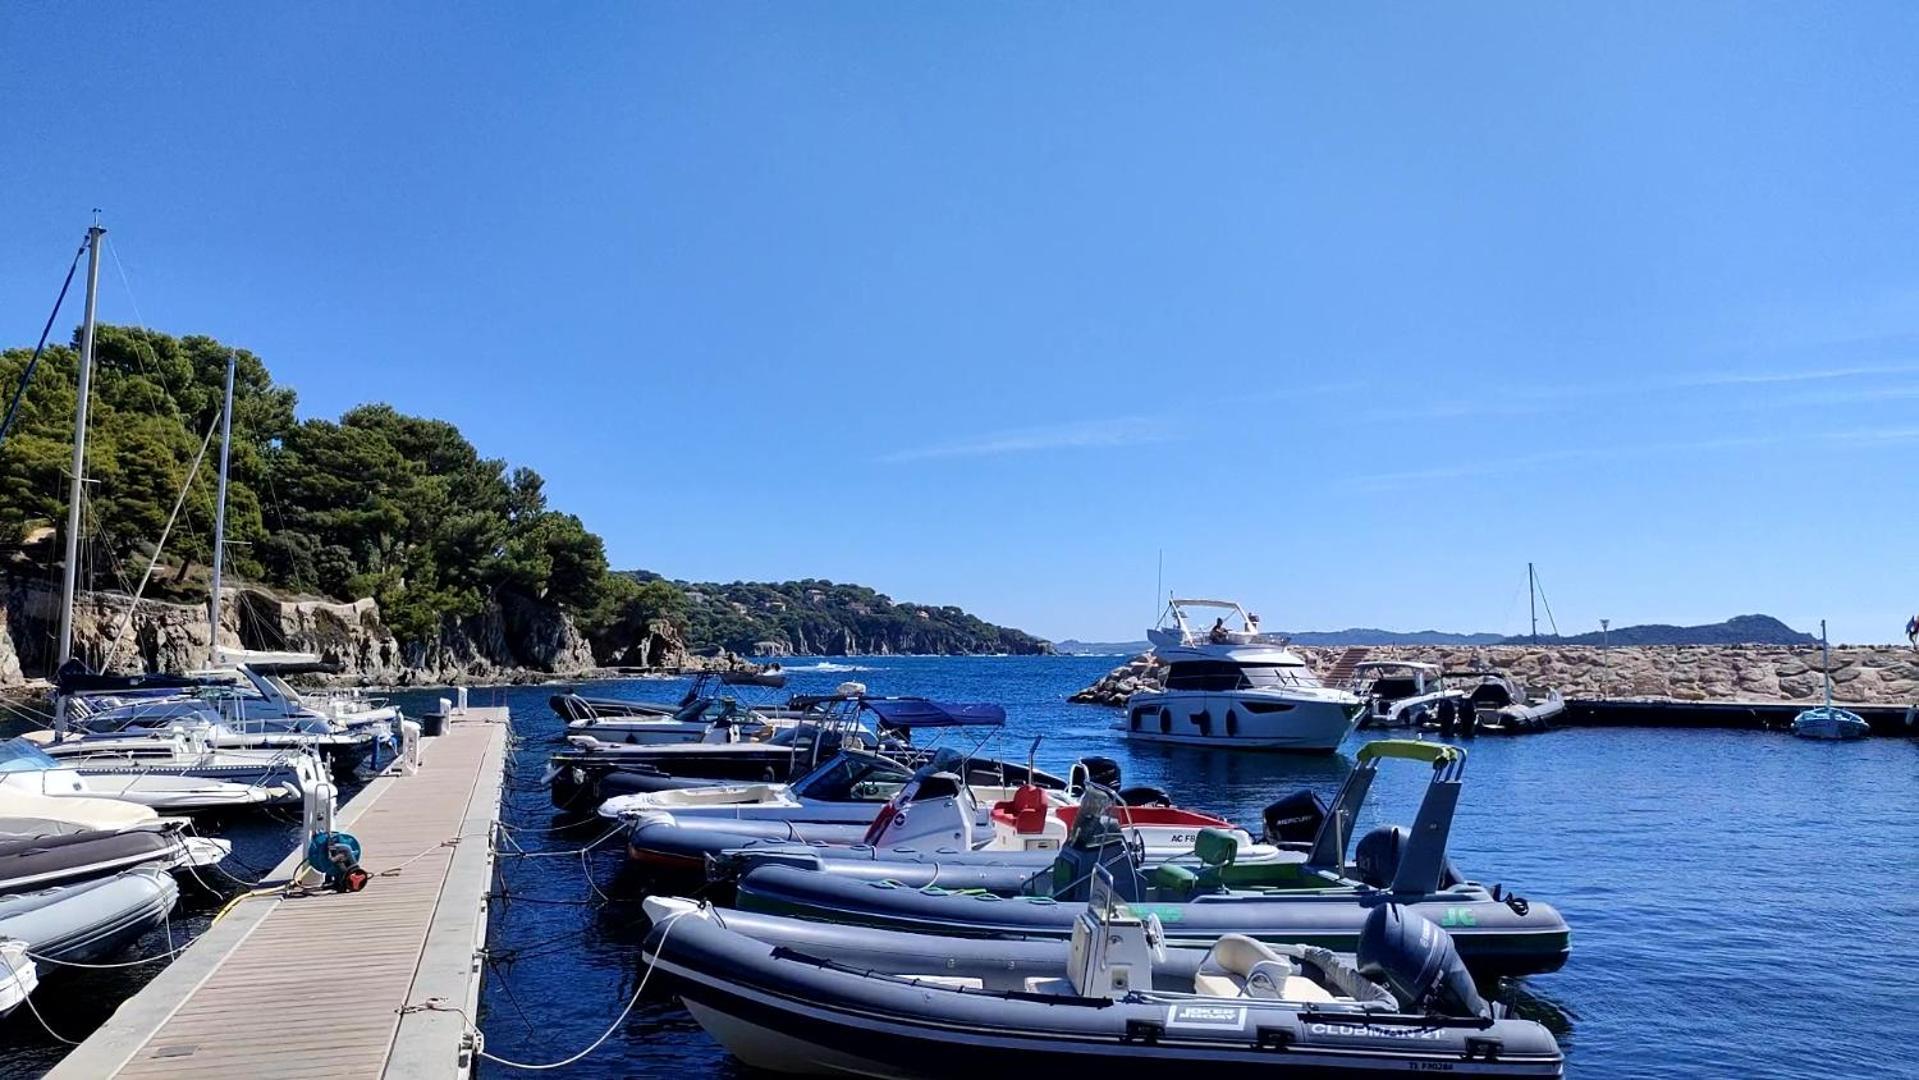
(90, 921)
(1099, 1002)
(1497, 933)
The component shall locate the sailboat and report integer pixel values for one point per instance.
(1828, 721)
(199, 779)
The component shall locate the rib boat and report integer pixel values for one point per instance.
(1498, 933)
(1112, 999)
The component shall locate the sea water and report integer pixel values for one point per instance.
(1743, 904)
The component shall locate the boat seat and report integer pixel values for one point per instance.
(1219, 985)
(1029, 810)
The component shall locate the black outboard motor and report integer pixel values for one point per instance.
(1403, 951)
(1376, 858)
(1448, 716)
(1103, 771)
(1294, 819)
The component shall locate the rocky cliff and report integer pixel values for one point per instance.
(511, 639)
(1861, 674)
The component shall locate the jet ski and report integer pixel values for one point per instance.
(1498, 933)
(89, 921)
(1111, 999)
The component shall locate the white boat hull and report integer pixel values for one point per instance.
(1314, 721)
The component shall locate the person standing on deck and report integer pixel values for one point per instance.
(1912, 631)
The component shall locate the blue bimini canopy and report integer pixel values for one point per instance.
(919, 712)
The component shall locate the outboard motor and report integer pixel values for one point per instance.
(1294, 819)
(1416, 960)
(1103, 771)
(1376, 858)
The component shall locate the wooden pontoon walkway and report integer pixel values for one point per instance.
(315, 986)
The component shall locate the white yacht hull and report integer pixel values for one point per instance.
(1297, 721)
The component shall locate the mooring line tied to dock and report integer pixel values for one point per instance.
(477, 1040)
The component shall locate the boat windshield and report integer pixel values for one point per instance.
(19, 755)
(1218, 675)
(853, 778)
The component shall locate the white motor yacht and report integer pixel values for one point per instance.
(24, 767)
(1230, 686)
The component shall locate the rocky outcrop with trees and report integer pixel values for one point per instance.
(383, 541)
(1861, 674)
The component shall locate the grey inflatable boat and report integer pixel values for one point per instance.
(1113, 1000)
(1498, 934)
(90, 921)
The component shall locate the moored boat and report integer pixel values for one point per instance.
(1233, 687)
(1097, 1001)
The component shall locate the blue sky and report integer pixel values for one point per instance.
(1349, 310)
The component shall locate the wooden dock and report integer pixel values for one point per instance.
(333, 984)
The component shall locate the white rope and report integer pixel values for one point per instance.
(666, 931)
(35, 1009)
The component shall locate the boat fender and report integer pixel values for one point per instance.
(337, 856)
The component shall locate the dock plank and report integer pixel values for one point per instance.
(244, 1000)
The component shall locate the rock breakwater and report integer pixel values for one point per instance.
(1861, 674)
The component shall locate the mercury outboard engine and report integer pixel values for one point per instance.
(1402, 950)
(1376, 858)
(1103, 771)
(1294, 819)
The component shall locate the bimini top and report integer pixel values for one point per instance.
(900, 712)
(1395, 665)
(1182, 634)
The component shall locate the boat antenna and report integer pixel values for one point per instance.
(220, 517)
(76, 490)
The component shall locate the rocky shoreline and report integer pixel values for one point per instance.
(1861, 674)
(512, 640)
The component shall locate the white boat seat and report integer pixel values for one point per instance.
(1218, 984)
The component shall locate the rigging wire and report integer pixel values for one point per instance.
(1554, 623)
(20, 393)
(113, 646)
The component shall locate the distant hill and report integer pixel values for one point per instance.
(824, 618)
(1739, 630)
(1074, 647)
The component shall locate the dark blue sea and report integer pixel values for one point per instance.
(1743, 904)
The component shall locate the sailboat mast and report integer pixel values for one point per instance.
(1825, 662)
(1532, 599)
(220, 515)
(76, 491)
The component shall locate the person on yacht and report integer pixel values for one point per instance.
(1912, 631)
(1217, 635)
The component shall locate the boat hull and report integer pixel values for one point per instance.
(1302, 723)
(1495, 938)
(789, 1013)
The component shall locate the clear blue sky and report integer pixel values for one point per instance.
(1351, 310)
